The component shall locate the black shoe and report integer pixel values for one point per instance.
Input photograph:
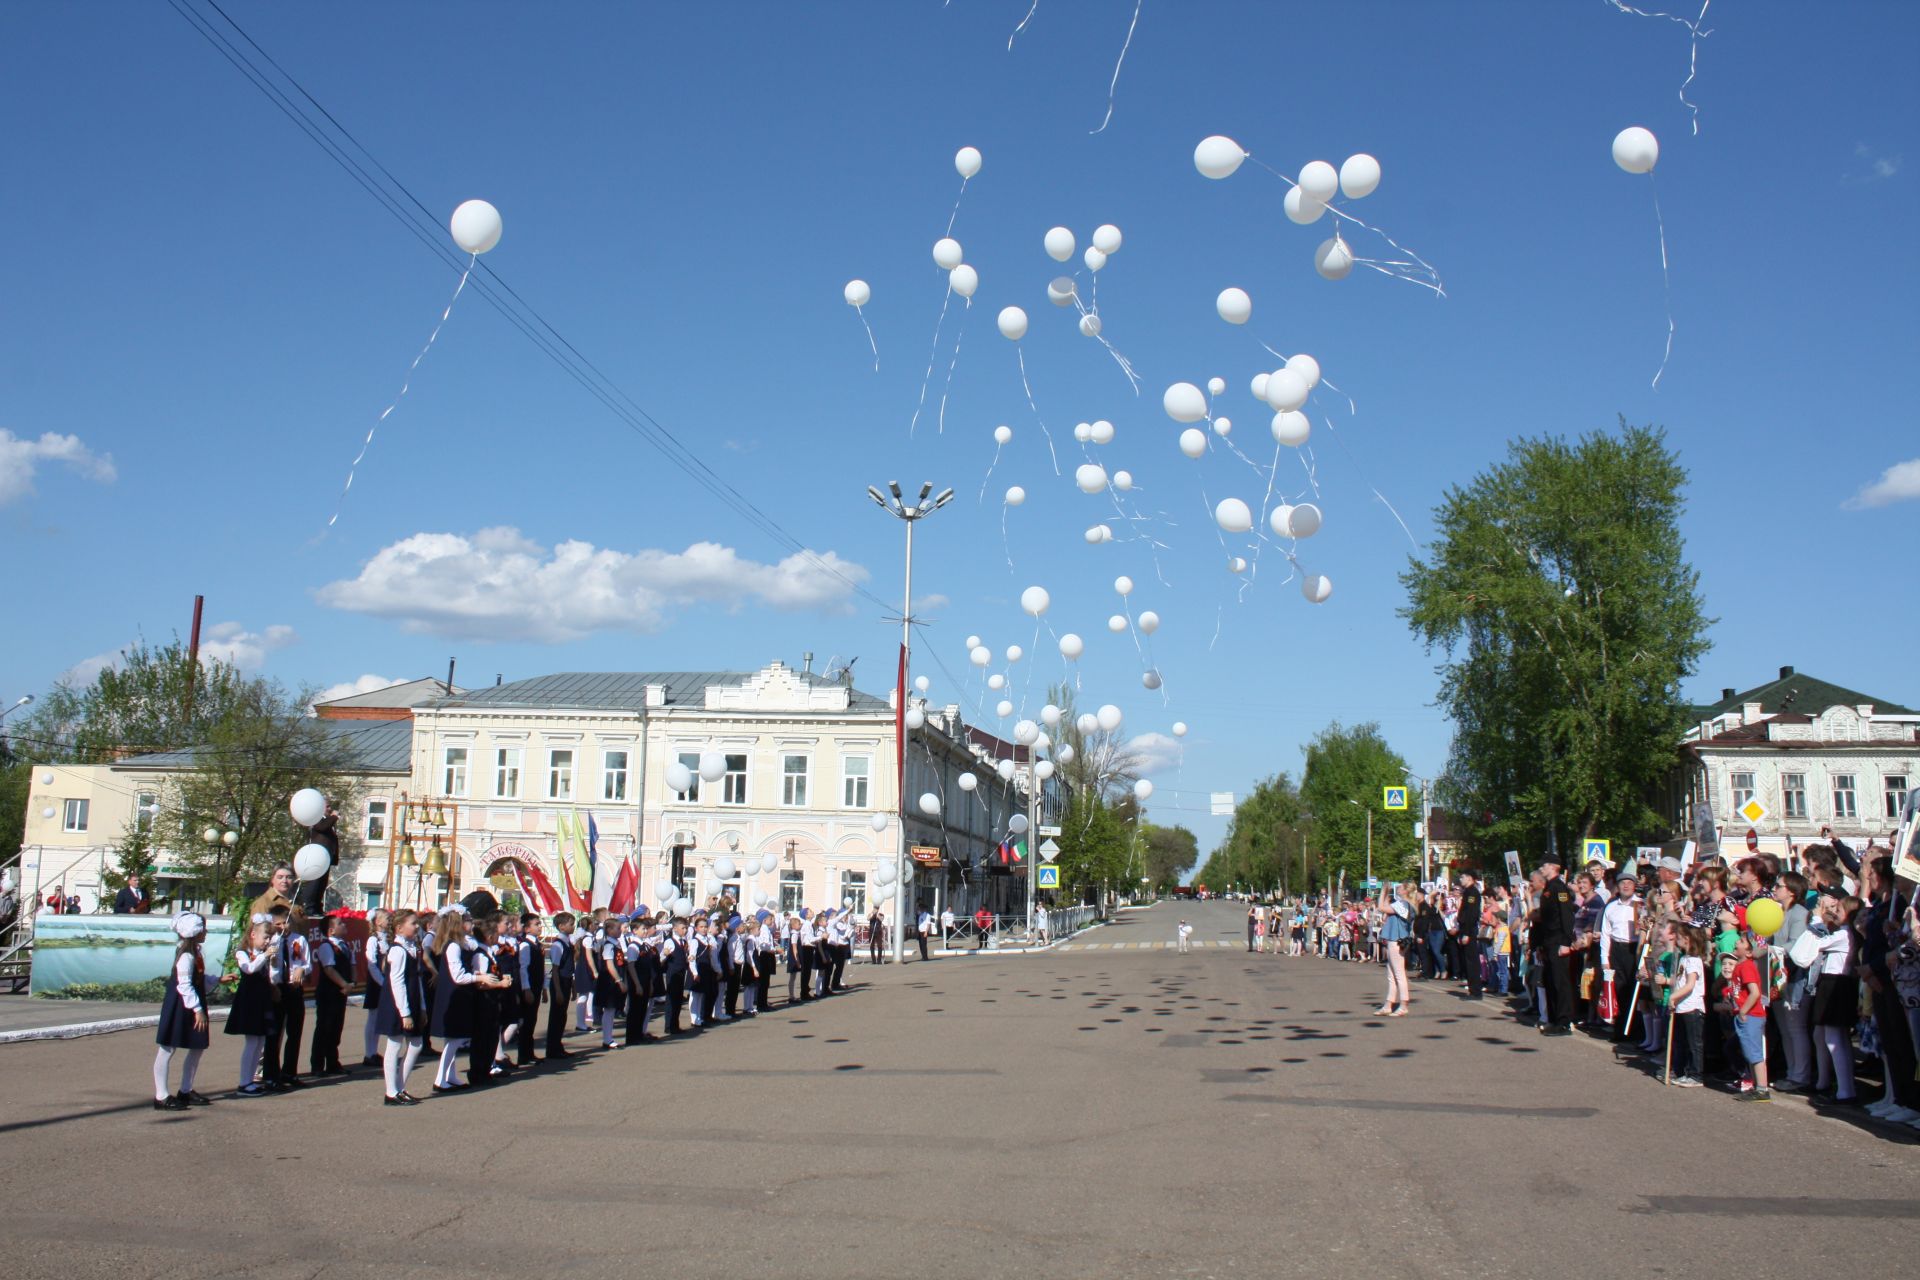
(449, 1088)
(292, 1082)
(403, 1100)
(194, 1098)
(369, 1062)
(170, 1103)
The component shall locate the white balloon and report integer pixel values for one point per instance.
(1042, 742)
(1005, 770)
(922, 683)
(1015, 653)
(1303, 521)
(761, 897)
(713, 766)
(679, 777)
(1320, 180)
(1150, 678)
(307, 806)
(1094, 258)
(771, 862)
(1090, 325)
(1302, 208)
(857, 293)
(1065, 754)
(1123, 480)
(1123, 585)
(915, 718)
(973, 642)
(1234, 306)
(1101, 431)
(1117, 623)
(1098, 534)
(1106, 238)
(996, 681)
(1059, 243)
(1307, 367)
(885, 892)
(1216, 386)
(1003, 709)
(1071, 646)
(967, 161)
(1222, 426)
(1060, 291)
(885, 872)
(963, 280)
(683, 906)
(1333, 259)
(1087, 723)
(1016, 495)
(1043, 770)
(1142, 789)
(1286, 389)
(725, 868)
(1108, 717)
(1185, 402)
(1232, 515)
(1148, 622)
(1179, 728)
(1050, 716)
(1034, 600)
(1025, 732)
(1236, 564)
(1217, 157)
(980, 655)
(1259, 386)
(1316, 587)
(1018, 824)
(475, 226)
(968, 782)
(1636, 149)
(1002, 434)
(878, 822)
(1083, 431)
(1193, 442)
(946, 253)
(1359, 176)
(1291, 428)
(929, 803)
(1013, 324)
(312, 862)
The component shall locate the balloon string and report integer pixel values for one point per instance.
(1023, 24)
(1266, 507)
(1378, 496)
(1005, 545)
(870, 342)
(1126, 365)
(932, 356)
(1309, 464)
(1666, 281)
(354, 467)
(956, 205)
(982, 496)
(1431, 276)
(1017, 351)
(959, 333)
(1694, 36)
(1114, 85)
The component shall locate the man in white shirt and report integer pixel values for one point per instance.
(1620, 963)
(922, 926)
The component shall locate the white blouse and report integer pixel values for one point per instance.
(183, 982)
(252, 961)
(1835, 951)
(376, 966)
(397, 954)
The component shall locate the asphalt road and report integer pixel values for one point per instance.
(1106, 1110)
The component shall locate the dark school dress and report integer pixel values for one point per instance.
(387, 1020)
(453, 1002)
(252, 1011)
(176, 1029)
(607, 995)
(1836, 1000)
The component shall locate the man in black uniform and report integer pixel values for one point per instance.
(1467, 931)
(1555, 937)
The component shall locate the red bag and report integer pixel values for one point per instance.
(1609, 1001)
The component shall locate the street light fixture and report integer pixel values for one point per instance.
(908, 514)
(25, 698)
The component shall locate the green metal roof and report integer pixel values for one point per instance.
(373, 746)
(1798, 692)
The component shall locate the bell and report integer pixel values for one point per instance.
(436, 863)
(439, 815)
(407, 856)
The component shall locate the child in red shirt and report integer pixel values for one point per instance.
(1746, 997)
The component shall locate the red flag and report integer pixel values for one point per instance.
(626, 887)
(536, 888)
(576, 899)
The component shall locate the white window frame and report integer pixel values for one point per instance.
(146, 807)
(74, 815)
(510, 762)
(558, 773)
(863, 780)
(735, 786)
(380, 810)
(1789, 790)
(793, 890)
(691, 759)
(454, 771)
(853, 884)
(792, 796)
(1739, 793)
(1896, 796)
(1846, 800)
(608, 775)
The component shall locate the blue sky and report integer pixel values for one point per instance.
(191, 288)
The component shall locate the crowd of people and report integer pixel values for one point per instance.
(473, 978)
(1763, 977)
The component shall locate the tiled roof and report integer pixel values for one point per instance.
(1803, 693)
(373, 746)
(624, 690)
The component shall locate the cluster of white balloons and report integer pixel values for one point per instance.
(1306, 202)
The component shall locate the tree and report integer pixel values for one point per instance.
(1265, 844)
(1103, 763)
(1167, 854)
(1560, 598)
(1347, 772)
(133, 854)
(148, 699)
(1096, 843)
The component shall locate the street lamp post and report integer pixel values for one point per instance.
(907, 513)
(1369, 808)
(1426, 827)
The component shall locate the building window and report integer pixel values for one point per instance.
(76, 815)
(1793, 794)
(690, 759)
(853, 890)
(793, 781)
(613, 785)
(1844, 805)
(456, 772)
(1742, 784)
(793, 891)
(560, 774)
(854, 774)
(376, 830)
(1896, 789)
(733, 787)
(146, 806)
(373, 897)
(506, 773)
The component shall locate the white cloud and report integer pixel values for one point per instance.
(227, 641)
(20, 460)
(935, 601)
(1878, 166)
(1898, 483)
(1155, 752)
(500, 585)
(347, 688)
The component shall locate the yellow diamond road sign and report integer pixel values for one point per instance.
(1753, 811)
(1393, 797)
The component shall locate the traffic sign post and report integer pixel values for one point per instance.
(1598, 851)
(1047, 877)
(1393, 797)
(1753, 811)
(1049, 850)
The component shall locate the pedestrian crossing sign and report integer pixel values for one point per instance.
(1393, 798)
(1599, 851)
(1048, 878)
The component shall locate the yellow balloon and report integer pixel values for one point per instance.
(1765, 917)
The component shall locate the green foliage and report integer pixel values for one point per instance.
(16, 779)
(151, 991)
(1167, 853)
(1096, 844)
(1103, 764)
(133, 855)
(152, 698)
(1347, 773)
(1559, 594)
(1263, 848)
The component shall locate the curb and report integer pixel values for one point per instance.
(75, 1030)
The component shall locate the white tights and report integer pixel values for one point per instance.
(450, 1053)
(398, 1055)
(371, 1045)
(506, 1042)
(252, 1049)
(1833, 1058)
(162, 1059)
(582, 1011)
(606, 1027)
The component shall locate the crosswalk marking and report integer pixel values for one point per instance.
(1197, 943)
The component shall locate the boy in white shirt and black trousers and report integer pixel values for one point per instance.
(333, 967)
(533, 984)
(560, 963)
